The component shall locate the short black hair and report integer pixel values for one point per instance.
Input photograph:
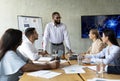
(29, 32)
(54, 13)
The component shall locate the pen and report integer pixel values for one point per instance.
(68, 61)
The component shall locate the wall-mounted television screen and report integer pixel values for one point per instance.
(100, 22)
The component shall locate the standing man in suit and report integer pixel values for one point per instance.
(56, 33)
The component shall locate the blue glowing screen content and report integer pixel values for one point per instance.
(100, 22)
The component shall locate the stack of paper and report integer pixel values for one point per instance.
(44, 74)
(73, 69)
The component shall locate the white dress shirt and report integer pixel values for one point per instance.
(55, 34)
(10, 66)
(110, 53)
(28, 49)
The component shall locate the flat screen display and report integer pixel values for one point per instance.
(100, 22)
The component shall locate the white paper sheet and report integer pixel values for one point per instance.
(100, 79)
(44, 59)
(37, 62)
(73, 69)
(63, 61)
(43, 62)
(44, 74)
(92, 67)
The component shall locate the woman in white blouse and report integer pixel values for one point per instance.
(110, 53)
(11, 64)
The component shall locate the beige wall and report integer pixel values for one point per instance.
(71, 11)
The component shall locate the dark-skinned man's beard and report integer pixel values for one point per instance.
(36, 38)
(57, 22)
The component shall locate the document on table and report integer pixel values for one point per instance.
(43, 62)
(38, 62)
(91, 67)
(73, 69)
(63, 61)
(44, 59)
(100, 79)
(44, 74)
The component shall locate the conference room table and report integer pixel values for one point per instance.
(62, 77)
(90, 74)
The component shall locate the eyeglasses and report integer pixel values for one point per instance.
(58, 17)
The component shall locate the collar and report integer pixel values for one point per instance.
(27, 40)
(55, 25)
